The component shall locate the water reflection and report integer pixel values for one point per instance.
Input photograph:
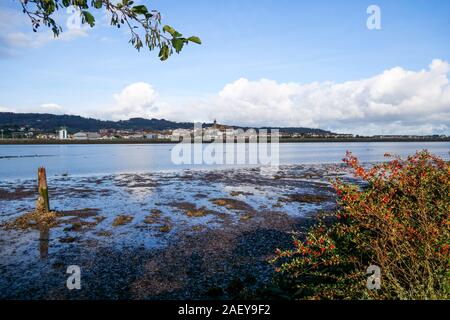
(44, 239)
(108, 159)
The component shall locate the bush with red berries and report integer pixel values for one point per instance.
(398, 220)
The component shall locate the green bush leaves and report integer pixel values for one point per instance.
(144, 24)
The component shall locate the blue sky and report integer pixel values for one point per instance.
(285, 42)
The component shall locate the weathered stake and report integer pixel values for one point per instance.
(43, 204)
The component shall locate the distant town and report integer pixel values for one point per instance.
(49, 128)
(211, 132)
(214, 132)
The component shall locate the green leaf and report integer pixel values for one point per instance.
(98, 4)
(164, 53)
(169, 29)
(172, 31)
(178, 44)
(88, 18)
(141, 9)
(195, 40)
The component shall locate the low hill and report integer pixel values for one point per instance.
(50, 123)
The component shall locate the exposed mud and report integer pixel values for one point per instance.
(305, 198)
(17, 193)
(169, 235)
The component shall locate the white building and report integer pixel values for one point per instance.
(86, 136)
(177, 134)
(135, 136)
(151, 136)
(163, 136)
(62, 133)
(212, 134)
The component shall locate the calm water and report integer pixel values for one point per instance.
(22, 161)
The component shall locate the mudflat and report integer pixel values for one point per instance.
(169, 235)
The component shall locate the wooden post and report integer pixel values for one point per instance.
(43, 205)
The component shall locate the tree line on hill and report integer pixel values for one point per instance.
(44, 122)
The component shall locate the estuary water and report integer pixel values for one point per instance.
(22, 161)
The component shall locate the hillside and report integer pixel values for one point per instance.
(50, 123)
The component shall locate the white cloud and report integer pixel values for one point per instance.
(394, 96)
(394, 101)
(51, 106)
(16, 31)
(135, 100)
(39, 39)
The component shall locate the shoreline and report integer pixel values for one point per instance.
(141, 141)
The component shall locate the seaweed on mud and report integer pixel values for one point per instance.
(191, 210)
(150, 219)
(232, 204)
(165, 228)
(37, 219)
(122, 220)
(33, 219)
(154, 217)
(198, 228)
(200, 212)
(79, 225)
(246, 217)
